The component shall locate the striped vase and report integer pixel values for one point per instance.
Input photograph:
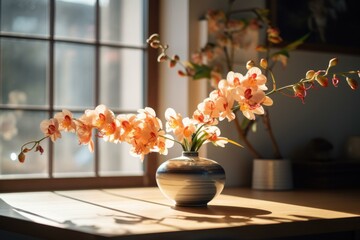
(190, 180)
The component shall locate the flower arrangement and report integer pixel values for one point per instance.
(217, 58)
(145, 133)
(246, 93)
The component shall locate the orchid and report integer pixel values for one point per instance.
(143, 131)
(51, 128)
(66, 122)
(248, 93)
(245, 93)
(217, 60)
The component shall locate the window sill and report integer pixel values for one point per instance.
(143, 213)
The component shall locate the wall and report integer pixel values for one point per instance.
(173, 31)
(330, 113)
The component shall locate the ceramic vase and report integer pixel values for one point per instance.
(190, 180)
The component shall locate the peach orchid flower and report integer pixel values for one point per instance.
(84, 130)
(65, 119)
(51, 128)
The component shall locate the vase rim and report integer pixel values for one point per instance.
(190, 153)
(273, 159)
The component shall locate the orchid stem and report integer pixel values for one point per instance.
(247, 143)
(266, 121)
(35, 142)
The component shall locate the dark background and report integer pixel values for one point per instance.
(341, 32)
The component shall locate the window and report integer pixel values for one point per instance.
(72, 54)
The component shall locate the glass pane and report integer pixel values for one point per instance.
(75, 19)
(116, 160)
(72, 159)
(23, 75)
(74, 75)
(17, 128)
(122, 21)
(121, 77)
(30, 16)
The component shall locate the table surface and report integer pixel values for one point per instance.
(144, 213)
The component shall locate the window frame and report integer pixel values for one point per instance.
(151, 99)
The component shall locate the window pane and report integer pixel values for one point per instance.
(121, 78)
(72, 159)
(17, 128)
(30, 16)
(28, 80)
(115, 160)
(23, 72)
(122, 21)
(75, 19)
(74, 75)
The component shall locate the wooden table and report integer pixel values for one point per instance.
(143, 213)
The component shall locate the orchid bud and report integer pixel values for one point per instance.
(263, 63)
(153, 37)
(172, 63)
(26, 150)
(250, 64)
(261, 48)
(21, 157)
(274, 35)
(322, 80)
(300, 91)
(275, 39)
(155, 44)
(39, 149)
(335, 81)
(352, 83)
(162, 57)
(333, 62)
(176, 58)
(181, 73)
(310, 74)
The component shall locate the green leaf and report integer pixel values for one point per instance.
(297, 42)
(245, 123)
(201, 71)
(281, 52)
(285, 50)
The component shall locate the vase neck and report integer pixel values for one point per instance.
(190, 154)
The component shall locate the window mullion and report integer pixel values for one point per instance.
(152, 89)
(97, 80)
(51, 79)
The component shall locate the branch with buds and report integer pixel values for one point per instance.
(298, 89)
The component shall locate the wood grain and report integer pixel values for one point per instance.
(144, 213)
